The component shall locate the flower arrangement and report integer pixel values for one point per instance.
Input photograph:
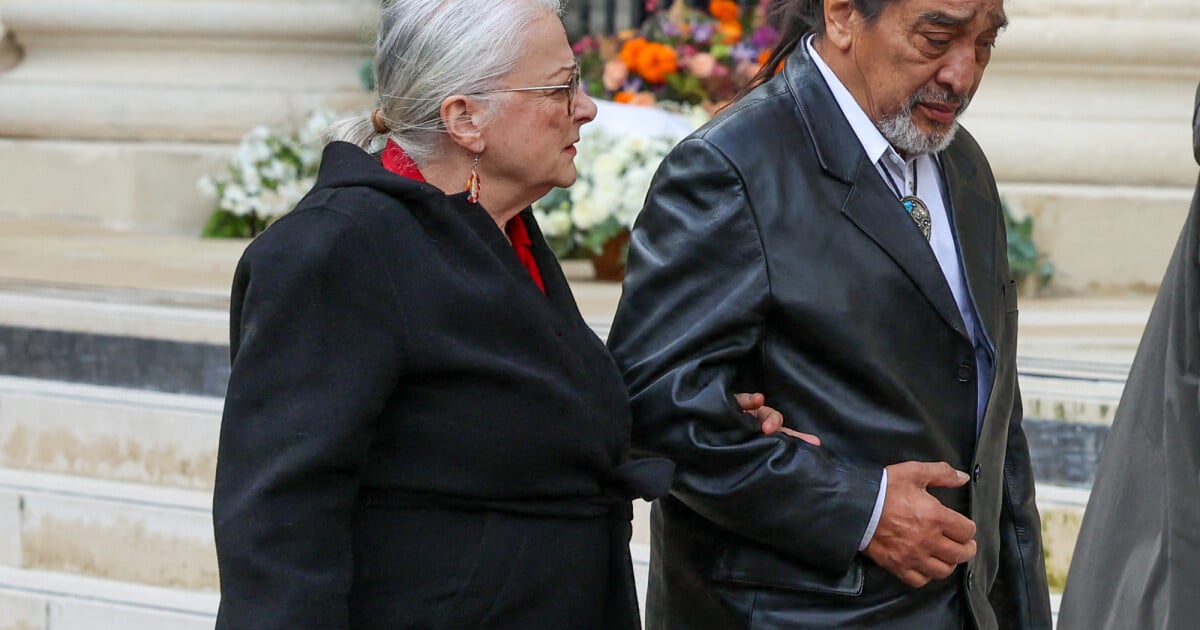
(265, 179)
(680, 55)
(614, 175)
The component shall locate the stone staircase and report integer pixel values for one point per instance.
(105, 490)
(110, 400)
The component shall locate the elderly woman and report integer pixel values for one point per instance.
(420, 430)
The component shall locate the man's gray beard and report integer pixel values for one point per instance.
(900, 130)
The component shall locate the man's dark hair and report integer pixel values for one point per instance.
(795, 19)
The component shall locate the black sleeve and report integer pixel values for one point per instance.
(316, 354)
(692, 317)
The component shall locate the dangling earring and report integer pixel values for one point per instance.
(473, 182)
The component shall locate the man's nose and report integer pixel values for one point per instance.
(960, 70)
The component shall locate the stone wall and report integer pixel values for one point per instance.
(118, 106)
(1085, 114)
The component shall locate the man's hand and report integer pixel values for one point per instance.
(770, 420)
(918, 539)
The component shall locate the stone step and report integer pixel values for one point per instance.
(46, 600)
(109, 433)
(161, 536)
(120, 531)
(103, 551)
(1061, 509)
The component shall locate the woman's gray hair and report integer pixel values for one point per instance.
(431, 49)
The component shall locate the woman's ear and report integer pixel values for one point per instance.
(462, 117)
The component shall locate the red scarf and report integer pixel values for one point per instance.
(398, 162)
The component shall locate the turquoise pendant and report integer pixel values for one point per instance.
(919, 213)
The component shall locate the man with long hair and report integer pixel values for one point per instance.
(835, 240)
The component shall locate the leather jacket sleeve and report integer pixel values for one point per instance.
(688, 334)
(1020, 595)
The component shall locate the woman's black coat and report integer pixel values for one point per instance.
(1137, 559)
(414, 435)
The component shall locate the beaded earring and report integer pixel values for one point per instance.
(473, 182)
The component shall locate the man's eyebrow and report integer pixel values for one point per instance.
(941, 18)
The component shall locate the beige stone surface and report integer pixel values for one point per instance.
(74, 254)
(1103, 240)
(126, 532)
(179, 70)
(80, 614)
(70, 602)
(11, 510)
(150, 186)
(23, 612)
(111, 434)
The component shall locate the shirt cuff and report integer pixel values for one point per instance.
(870, 533)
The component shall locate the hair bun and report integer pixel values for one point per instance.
(378, 121)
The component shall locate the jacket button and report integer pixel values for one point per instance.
(971, 580)
(975, 474)
(964, 373)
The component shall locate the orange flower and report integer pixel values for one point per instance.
(763, 58)
(623, 97)
(645, 99)
(724, 10)
(630, 51)
(729, 33)
(655, 62)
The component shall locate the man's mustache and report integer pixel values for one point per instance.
(930, 94)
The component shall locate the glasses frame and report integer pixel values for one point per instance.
(572, 88)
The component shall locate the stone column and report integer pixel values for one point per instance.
(1085, 114)
(118, 106)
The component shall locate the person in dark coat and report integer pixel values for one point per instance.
(420, 430)
(834, 240)
(1137, 558)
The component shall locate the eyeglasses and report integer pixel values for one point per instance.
(572, 88)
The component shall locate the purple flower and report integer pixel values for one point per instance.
(742, 52)
(765, 37)
(702, 33)
(671, 29)
(633, 84)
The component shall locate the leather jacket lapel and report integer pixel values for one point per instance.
(869, 204)
(974, 222)
(877, 212)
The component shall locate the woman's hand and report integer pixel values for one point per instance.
(769, 418)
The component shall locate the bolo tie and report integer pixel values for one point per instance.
(912, 204)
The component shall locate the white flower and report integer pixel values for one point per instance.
(207, 186)
(316, 124)
(555, 223)
(277, 170)
(588, 213)
(233, 199)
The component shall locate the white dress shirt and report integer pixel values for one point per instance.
(926, 171)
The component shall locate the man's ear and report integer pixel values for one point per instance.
(841, 23)
(462, 118)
